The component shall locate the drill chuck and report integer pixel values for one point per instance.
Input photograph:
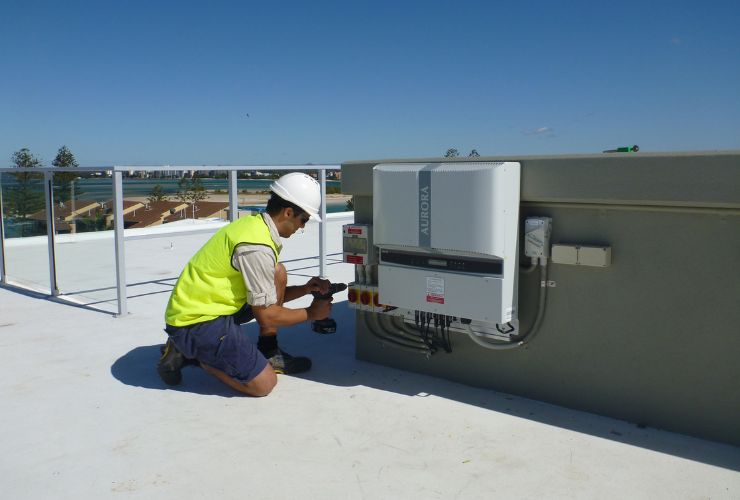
(333, 288)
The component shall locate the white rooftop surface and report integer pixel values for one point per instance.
(84, 414)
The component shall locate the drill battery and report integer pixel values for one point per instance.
(327, 325)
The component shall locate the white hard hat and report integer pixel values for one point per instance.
(299, 189)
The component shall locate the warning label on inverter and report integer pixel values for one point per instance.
(436, 290)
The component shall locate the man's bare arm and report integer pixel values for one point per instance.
(295, 292)
(274, 316)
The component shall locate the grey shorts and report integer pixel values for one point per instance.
(222, 344)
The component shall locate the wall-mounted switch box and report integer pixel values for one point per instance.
(537, 236)
(595, 256)
(577, 255)
(565, 254)
(357, 244)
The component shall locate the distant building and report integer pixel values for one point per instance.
(65, 217)
(203, 210)
(163, 212)
(97, 216)
(152, 214)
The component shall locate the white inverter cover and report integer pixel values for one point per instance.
(468, 207)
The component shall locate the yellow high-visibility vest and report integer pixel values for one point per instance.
(210, 286)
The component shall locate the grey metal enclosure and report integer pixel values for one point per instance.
(654, 336)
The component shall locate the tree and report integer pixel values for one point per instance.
(25, 195)
(452, 153)
(157, 194)
(96, 222)
(473, 154)
(191, 191)
(64, 189)
(65, 158)
(24, 159)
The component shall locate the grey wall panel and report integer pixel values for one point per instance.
(655, 337)
(686, 179)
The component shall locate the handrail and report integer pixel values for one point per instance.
(178, 168)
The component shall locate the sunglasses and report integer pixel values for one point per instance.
(305, 218)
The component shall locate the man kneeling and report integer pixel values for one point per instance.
(235, 277)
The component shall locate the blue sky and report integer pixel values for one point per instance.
(242, 82)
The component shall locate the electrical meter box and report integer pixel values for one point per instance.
(448, 235)
(357, 244)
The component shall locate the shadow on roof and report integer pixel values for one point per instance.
(334, 363)
(138, 368)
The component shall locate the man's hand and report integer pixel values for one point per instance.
(319, 309)
(316, 284)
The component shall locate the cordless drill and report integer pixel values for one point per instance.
(327, 325)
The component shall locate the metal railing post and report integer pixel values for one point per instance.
(3, 280)
(49, 201)
(119, 246)
(233, 197)
(322, 225)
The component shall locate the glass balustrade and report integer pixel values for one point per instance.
(82, 260)
(83, 239)
(24, 231)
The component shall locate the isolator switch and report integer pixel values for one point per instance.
(537, 236)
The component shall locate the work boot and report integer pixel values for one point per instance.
(284, 363)
(170, 364)
(187, 362)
